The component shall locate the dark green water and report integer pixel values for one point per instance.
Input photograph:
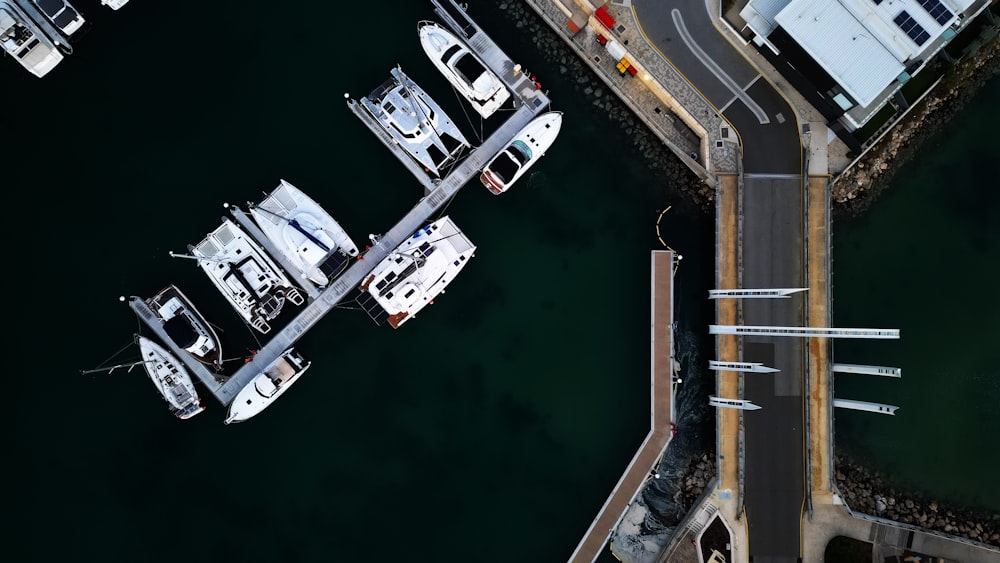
(491, 428)
(924, 259)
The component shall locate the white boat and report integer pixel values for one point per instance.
(25, 42)
(304, 233)
(62, 14)
(416, 122)
(415, 273)
(522, 152)
(171, 379)
(186, 326)
(114, 4)
(245, 275)
(466, 71)
(265, 389)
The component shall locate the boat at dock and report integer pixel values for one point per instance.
(416, 272)
(270, 384)
(25, 42)
(522, 152)
(114, 4)
(305, 234)
(62, 14)
(186, 326)
(463, 69)
(245, 275)
(416, 122)
(170, 378)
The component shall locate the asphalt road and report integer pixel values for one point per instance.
(772, 256)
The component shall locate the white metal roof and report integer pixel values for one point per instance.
(855, 55)
(759, 15)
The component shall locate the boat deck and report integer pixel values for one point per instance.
(529, 102)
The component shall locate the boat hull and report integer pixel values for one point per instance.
(186, 326)
(524, 150)
(305, 234)
(463, 69)
(416, 272)
(170, 378)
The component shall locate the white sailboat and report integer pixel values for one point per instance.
(170, 378)
(304, 233)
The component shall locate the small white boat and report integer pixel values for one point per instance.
(245, 275)
(522, 152)
(265, 389)
(186, 326)
(114, 4)
(171, 379)
(304, 233)
(416, 122)
(415, 273)
(466, 71)
(25, 42)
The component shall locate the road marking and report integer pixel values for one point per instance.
(729, 103)
(715, 69)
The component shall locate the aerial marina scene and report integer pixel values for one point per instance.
(627, 350)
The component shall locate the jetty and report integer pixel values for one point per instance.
(528, 100)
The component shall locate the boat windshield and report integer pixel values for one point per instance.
(469, 68)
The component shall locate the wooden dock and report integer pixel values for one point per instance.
(660, 413)
(528, 101)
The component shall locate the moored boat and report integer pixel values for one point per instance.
(416, 122)
(25, 42)
(263, 390)
(307, 236)
(523, 151)
(416, 272)
(170, 378)
(245, 275)
(186, 326)
(463, 68)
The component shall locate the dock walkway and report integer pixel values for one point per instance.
(660, 415)
(529, 102)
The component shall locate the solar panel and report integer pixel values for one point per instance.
(937, 11)
(914, 30)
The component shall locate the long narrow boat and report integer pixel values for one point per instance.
(170, 378)
(415, 273)
(466, 71)
(245, 275)
(186, 326)
(304, 233)
(264, 390)
(416, 122)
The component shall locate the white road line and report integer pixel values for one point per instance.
(712, 66)
(729, 103)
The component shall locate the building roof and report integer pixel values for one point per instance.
(862, 44)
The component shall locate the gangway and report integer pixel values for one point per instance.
(750, 367)
(805, 331)
(868, 370)
(740, 404)
(865, 406)
(777, 293)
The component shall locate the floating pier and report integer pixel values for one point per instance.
(529, 102)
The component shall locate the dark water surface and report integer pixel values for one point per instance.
(925, 259)
(490, 428)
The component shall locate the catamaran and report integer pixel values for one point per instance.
(415, 273)
(416, 122)
(304, 233)
(245, 275)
